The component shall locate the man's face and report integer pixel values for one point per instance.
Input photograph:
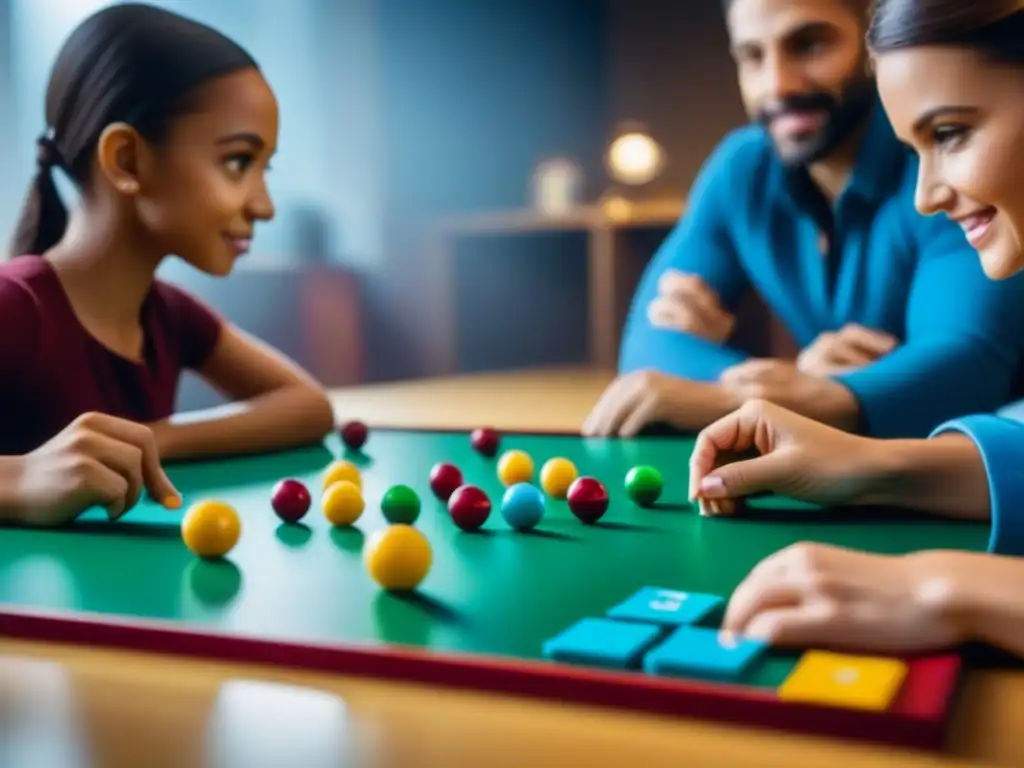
(803, 72)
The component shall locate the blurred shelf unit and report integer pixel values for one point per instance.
(519, 288)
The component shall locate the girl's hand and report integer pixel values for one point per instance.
(97, 460)
(812, 595)
(798, 457)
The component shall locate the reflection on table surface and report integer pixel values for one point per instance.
(74, 708)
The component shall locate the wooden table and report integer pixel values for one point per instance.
(71, 707)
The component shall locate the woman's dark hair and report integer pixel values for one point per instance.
(130, 63)
(995, 28)
(860, 6)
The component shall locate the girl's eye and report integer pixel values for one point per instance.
(239, 164)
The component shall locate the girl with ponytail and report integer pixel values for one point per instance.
(166, 128)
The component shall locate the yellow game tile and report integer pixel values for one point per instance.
(857, 682)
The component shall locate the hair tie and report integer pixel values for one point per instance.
(47, 154)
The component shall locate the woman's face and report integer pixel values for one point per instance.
(964, 116)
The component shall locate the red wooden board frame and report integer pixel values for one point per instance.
(917, 718)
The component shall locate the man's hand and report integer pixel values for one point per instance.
(851, 347)
(782, 383)
(687, 304)
(641, 398)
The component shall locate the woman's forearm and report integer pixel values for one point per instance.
(979, 593)
(945, 475)
(286, 418)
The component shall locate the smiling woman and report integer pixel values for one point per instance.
(951, 77)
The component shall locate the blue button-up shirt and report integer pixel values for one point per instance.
(751, 223)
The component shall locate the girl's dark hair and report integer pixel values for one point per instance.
(130, 63)
(993, 27)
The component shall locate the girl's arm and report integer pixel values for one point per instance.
(275, 404)
(11, 503)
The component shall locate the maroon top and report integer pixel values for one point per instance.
(52, 370)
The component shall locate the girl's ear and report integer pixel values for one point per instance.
(119, 154)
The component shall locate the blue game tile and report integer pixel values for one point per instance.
(602, 642)
(701, 652)
(670, 607)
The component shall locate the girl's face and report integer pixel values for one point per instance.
(964, 116)
(205, 189)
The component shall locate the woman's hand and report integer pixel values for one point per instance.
(813, 595)
(798, 457)
(97, 460)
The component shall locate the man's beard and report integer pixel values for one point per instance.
(843, 116)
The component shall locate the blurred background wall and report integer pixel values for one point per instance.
(407, 241)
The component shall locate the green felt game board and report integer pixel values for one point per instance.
(299, 594)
